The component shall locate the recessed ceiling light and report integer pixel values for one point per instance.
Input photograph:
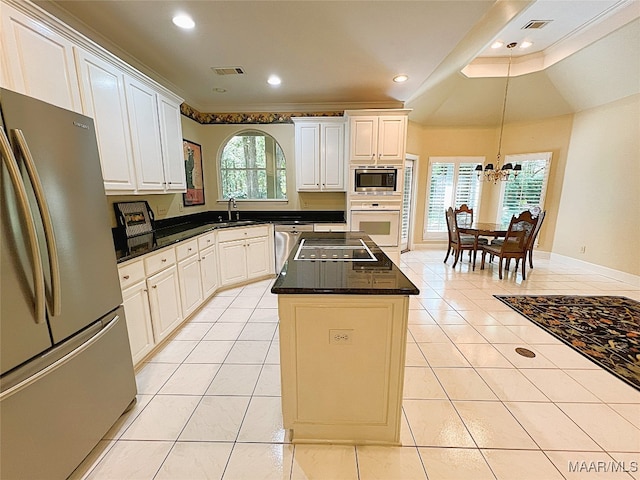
(274, 80)
(400, 78)
(495, 45)
(526, 44)
(183, 21)
(219, 90)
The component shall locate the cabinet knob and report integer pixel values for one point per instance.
(189, 249)
(145, 290)
(126, 277)
(154, 286)
(164, 260)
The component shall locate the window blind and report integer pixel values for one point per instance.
(528, 189)
(452, 183)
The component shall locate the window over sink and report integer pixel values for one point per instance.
(252, 167)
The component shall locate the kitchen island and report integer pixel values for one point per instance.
(343, 308)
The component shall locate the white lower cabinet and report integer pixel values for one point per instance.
(164, 299)
(258, 257)
(209, 271)
(136, 307)
(245, 253)
(233, 262)
(162, 289)
(190, 284)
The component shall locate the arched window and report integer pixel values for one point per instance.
(253, 167)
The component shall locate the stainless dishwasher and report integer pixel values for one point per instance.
(286, 236)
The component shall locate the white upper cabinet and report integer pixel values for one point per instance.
(137, 120)
(319, 151)
(37, 61)
(144, 122)
(378, 139)
(103, 97)
(171, 137)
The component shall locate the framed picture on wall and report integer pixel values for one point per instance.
(195, 178)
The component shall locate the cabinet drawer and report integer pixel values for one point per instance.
(330, 227)
(186, 249)
(231, 234)
(157, 261)
(130, 273)
(206, 240)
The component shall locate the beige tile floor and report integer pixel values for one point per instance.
(209, 406)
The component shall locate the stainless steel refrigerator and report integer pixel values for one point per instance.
(66, 369)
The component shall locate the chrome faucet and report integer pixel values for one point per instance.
(235, 205)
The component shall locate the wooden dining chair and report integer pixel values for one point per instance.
(532, 241)
(458, 242)
(539, 218)
(515, 244)
(464, 214)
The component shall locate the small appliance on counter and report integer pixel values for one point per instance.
(134, 218)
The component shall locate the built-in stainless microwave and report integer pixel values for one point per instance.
(376, 179)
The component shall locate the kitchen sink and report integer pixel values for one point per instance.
(233, 223)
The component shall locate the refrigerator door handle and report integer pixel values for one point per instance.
(52, 249)
(23, 203)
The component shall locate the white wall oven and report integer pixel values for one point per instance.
(380, 221)
(375, 180)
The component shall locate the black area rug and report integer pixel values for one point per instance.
(604, 329)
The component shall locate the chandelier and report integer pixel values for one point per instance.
(507, 171)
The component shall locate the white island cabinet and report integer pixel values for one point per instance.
(342, 342)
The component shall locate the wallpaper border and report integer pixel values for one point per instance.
(249, 117)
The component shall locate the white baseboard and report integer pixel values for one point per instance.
(599, 269)
(574, 262)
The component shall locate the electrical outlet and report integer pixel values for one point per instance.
(583, 249)
(341, 337)
(162, 210)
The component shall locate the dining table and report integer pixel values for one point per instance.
(483, 229)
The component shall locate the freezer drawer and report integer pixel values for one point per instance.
(53, 419)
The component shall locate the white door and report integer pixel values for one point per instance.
(363, 139)
(407, 203)
(37, 61)
(332, 156)
(190, 284)
(104, 99)
(209, 271)
(164, 299)
(136, 308)
(145, 133)
(172, 153)
(258, 256)
(233, 262)
(307, 156)
(391, 138)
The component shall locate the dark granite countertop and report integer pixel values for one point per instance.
(128, 248)
(177, 229)
(378, 277)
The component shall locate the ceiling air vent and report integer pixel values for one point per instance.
(536, 24)
(228, 70)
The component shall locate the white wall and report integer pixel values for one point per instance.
(600, 202)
